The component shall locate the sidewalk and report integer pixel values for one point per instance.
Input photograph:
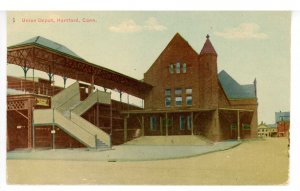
(122, 152)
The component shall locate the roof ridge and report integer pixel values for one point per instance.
(37, 38)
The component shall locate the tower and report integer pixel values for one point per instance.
(208, 75)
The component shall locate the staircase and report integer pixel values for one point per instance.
(65, 113)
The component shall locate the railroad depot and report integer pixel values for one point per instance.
(182, 91)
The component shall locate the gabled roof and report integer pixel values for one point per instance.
(177, 38)
(233, 89)
(208, 48)
(46, 43)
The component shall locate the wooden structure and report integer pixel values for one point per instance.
(41, 54)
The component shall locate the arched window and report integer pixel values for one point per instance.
(171, 68)
(184, 68)
(177, 67)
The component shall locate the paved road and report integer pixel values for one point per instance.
(122, 153)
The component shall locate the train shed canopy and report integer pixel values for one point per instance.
(45, 55)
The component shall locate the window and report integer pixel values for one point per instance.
(153, 124)
(182, 122)
(247, 126)
(168, 92)
(177, 67)
(171, 68)
(168, 101)
(178, 101)
(184, 68)
(168, 122)
(178, 91)
(233, 126)
(189, 100)
(188, 91)
(189, 122)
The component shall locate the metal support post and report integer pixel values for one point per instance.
(125, 129)
(192, 122)
(111, 130)
(65, 81)
(160, 125)
(167, 129)
(53, 131)
(143, 126)
(238, 125)
(33, 130)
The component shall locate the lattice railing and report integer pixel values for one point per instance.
(17, 105)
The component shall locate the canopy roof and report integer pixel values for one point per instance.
(51, 57)
(46, 43)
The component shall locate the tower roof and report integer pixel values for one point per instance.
(208, 48)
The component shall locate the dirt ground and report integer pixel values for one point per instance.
(251, 163)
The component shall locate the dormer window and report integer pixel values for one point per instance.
(171, 68)
(177, 67)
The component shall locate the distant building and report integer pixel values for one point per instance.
(283, 123)
(264, 130)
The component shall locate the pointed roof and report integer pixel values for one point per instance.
(177, 38)
(233, 89)
(49, 44)
(208, 48)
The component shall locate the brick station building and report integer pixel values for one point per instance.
(183, 94)
(189, 97)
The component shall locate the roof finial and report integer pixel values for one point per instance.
(207, 36)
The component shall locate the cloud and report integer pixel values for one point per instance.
(130, 26)
(152, 25)
(243, 31)
(127, 26)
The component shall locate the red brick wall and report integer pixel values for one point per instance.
(43, 138)
(283, 128)
(208, 81)
(159, 76)
(201, 76)
(250, 104)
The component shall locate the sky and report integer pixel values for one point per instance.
(249, 44)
